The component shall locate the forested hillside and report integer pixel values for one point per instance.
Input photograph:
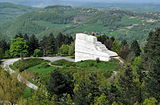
(54, 19)
(9, 11)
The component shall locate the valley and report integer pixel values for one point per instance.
(122, 24)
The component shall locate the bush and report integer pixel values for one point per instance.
(64, 49)
(21, 65)
(37, 53)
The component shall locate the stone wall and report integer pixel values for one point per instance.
(88, 48)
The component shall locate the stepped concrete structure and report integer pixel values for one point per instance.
(88, 48)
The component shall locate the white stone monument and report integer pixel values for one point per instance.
(88, 48)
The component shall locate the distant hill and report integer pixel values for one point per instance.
(9, 11)
(54, 19)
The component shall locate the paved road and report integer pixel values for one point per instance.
(6, 63)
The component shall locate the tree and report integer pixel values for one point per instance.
(37, 53)
(128, 90)
(4, 46)
(135, 48)
(60, 40)
(150, 101)
(137, 68)
(19, 35)
(48, 45)
(124, 51)
(66, 100)
(59, 84)
(71, 49)
(64, 49)
(33, 44)
(102, 100)
(116, 46)
(93, 87)
(1, 53)
(10, 88)
(81, 92)
(151, 61)
(124, 42)
(18, 47)
(41, 97)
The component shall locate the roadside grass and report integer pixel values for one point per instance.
(21, 65)
(43, 69)
(89, 65)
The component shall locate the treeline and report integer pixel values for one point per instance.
(135, 83)
(125, 50)
(24, 45)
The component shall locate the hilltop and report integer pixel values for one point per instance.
(54, 19)
(9, 11)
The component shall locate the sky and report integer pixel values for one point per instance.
(40, 3)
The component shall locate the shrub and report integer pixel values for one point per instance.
(37, 53)
(64, 49)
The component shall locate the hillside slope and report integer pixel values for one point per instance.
(9, 11)
(54, 19)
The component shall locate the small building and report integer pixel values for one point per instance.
(88, 48)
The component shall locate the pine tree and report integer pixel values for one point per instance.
(127, 87)
(135, 48)
(151, 61)
(93, 87)
(33, 44)
(60, 40)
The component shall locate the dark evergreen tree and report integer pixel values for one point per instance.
(4, 46)
(151, 61)
(93, 87)
(48, 45)
(59, 84)
(51, 45)
(26, 37)
(128, 90)
(33, 44)
(60, 40)
(135, 48)
(124, 42)
(43, 45)
(19, 35)
(81, 95)
(124, 51)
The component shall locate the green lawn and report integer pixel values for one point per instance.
(43, 69)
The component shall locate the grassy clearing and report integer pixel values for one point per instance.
(21, 65)
(89, 65)
(43, 69)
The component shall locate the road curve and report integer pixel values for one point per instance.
(7, 62)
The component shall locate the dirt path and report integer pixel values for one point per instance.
(5, 64)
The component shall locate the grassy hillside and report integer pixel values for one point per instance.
(54, 19)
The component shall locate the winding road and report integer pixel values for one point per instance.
(5, 64)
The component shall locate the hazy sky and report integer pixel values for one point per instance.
(50, 2)
(82, 0)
